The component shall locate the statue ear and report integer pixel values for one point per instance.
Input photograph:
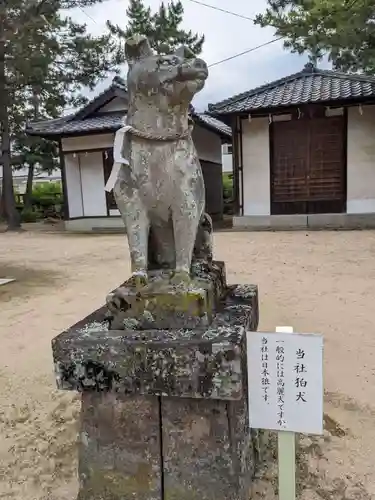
(137, 47)
(184, 52)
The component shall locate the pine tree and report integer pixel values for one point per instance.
(342, 29)
(45, 60)
(163, 28)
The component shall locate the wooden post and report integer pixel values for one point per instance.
(286, 453)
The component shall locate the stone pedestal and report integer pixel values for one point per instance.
(164, 412)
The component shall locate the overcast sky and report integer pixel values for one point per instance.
(225, 35)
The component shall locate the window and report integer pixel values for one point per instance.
(227, 149)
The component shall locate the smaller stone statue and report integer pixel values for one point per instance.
(161, 189)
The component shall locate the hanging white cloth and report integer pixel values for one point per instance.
(118, 159)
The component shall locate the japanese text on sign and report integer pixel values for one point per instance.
(286, 381)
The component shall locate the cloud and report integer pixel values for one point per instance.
(225, 35)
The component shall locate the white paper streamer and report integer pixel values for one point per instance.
(117, 157)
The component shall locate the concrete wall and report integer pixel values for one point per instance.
(209, 149)
(208, 144)
(213, 180)
(73, 185)
(227, 163)
(20, 178)
(256, 166)
(227, 158)
(100, 224)
(361, 160)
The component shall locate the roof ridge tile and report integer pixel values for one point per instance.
(307, 74)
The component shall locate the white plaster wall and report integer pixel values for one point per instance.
(73, 185)
(208, 144)
(117, 104)
(227, 160)
(256, 166)
(361, 160)
(93, 193)
(89, 224)
(87, 142)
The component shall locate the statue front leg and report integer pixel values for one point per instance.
(185, 226)
(137, 224)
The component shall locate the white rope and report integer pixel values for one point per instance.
(118, 148)
(158, 137)
(117, 157)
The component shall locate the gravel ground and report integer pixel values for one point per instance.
(317, 282)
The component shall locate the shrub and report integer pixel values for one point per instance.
(228, 193)
(29, 215)
(47, 194)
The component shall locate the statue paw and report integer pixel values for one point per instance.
(139, 279)
(181, 278)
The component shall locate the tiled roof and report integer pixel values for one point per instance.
(212, 122)
(97, 121)
(108, 122)
(69, 126)
(308, 86)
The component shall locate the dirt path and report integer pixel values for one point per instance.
(320, 281)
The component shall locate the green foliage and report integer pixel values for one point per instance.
(343, 29)
(30, 215)
(163, 28)
(47, 189)
(228, 193)
(227, 186)
(47, 194)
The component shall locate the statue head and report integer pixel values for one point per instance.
(178, 76)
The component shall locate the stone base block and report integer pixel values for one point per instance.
(164, 412)
(208, 452)
(164, 449)
(163, 305)
(205, 362)
(119, 448)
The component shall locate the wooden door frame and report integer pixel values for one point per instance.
(344, 160)
(271, 129)
(108, 195)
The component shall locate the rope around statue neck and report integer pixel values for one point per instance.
(159, 137)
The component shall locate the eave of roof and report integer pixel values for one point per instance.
(213, 124)
(116, 89)
(308, 86)
(105, 122)
(90, 120)
(110, 122)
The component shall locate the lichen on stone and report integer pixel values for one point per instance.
(245, 291)
(94, 327)
(130, 323)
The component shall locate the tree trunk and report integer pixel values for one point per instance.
(11, 214)
(2, 203)
(27, 201)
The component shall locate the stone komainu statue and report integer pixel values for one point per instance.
(160, 189)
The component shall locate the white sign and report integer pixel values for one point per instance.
(285, 372)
